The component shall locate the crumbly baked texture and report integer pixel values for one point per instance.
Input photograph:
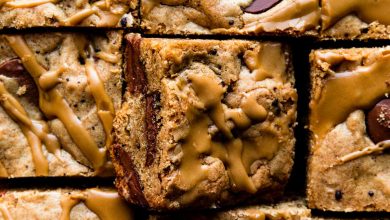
(292, 208)
(56, 89)
(64, 204)
(348, 169)
(291, 17)
(355, 19)
(205, 123)
(21, 14)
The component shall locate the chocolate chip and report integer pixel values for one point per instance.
(14, 69)
(124, 22)
(378, 121)
(213, 52)
(338, 195)
(231, 22)
(259, 6)
(151, 125)
(275, 105)
(371, 193)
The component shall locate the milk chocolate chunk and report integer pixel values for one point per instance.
(130, 175)
(259, 6)
(378, 121)
(151, 125)
(14, 68)
(135, 78)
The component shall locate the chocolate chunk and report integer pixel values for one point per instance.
(151, 125)
(135, 76)
(371, 193)
(124, 22)
(378, 121)
(131, 190)
(14, 69)
(259, 6)
(338, 195)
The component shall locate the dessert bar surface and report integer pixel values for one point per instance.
(205, 123)
(243, 17)
(350, 130)
(64, 204)
(22, 14)
(58, 96)
(349, 19)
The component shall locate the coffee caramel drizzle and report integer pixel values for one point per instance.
(102, 8)
(3, 170)
(259, 62)
(35, 132)
(108, 16)
(53, 105)
(107, 205)
(378, 148)
(348, 91)
(105, 107)
(104, 104)
(300, 14)
(5, 212)
(26, 3)
(368, 11)
(237, 154)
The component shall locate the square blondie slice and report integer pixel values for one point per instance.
(244, 17)
(204, 123)
(22, 14)
(350, 130)
(58, 96)
(65, 203)
(355, 19)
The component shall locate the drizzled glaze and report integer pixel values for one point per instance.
(104, 104)
(27, 3)
(78, 17)
(5, 212)
(297, 14)
(105, 107)
(107, 205)
(102, 9)
(53, 105)
(348, 91)
(235, 153)
(368, 11)
(3, 171)
(35, 132)
(266, 61)
(378, 148)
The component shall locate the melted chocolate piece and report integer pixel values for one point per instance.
(151, 125)
(14, 69)
(135, 76)
(259, 6)
(378, 121)
(128, 181)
